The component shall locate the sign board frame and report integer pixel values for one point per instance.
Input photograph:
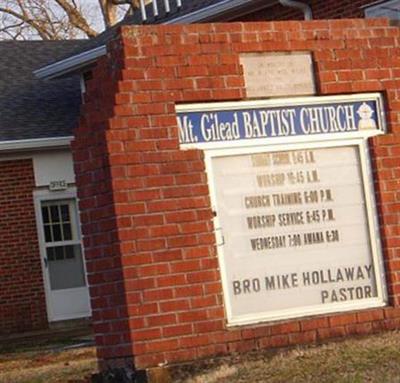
(243, 147)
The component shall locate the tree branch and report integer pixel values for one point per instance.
(56, 19)
(121, 2)
(40, 30)
(109, 12)
(6, 30)
(134, 4)
(76, 18)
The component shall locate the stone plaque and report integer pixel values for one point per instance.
(278, 74)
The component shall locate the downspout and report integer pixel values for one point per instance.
(299, 5)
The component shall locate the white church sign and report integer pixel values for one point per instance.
(295, 212)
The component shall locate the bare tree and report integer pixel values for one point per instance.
(59, 19)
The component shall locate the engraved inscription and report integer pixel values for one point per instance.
(273, 74)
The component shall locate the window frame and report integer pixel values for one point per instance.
(75, 238)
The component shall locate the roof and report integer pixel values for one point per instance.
(31, 108)
(191, 11)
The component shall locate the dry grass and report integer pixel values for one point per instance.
(221, 372)
(374, 359)
(37, 366)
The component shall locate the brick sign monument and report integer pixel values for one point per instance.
(222, 214)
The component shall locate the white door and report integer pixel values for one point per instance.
(61, 250)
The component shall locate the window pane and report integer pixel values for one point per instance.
(55, 216)
(47, 233)
(50, 253)
(69, 252)
(45, 214)
(64, 213)
(67, 232)
(57, 233)
(59, 252)
(67, 273)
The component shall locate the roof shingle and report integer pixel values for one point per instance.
(31, 108)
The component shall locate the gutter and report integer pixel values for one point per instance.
(372, 4)
(72, 63)
(37, 143)
(305, 8)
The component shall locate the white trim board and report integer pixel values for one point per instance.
(36, 143)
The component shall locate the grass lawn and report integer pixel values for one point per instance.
(46, 363)
(374, 359)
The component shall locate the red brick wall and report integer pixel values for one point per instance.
(22, 301)
(322, 9)
(146, 215)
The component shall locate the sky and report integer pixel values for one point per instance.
(90, 9)
(93, 8)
